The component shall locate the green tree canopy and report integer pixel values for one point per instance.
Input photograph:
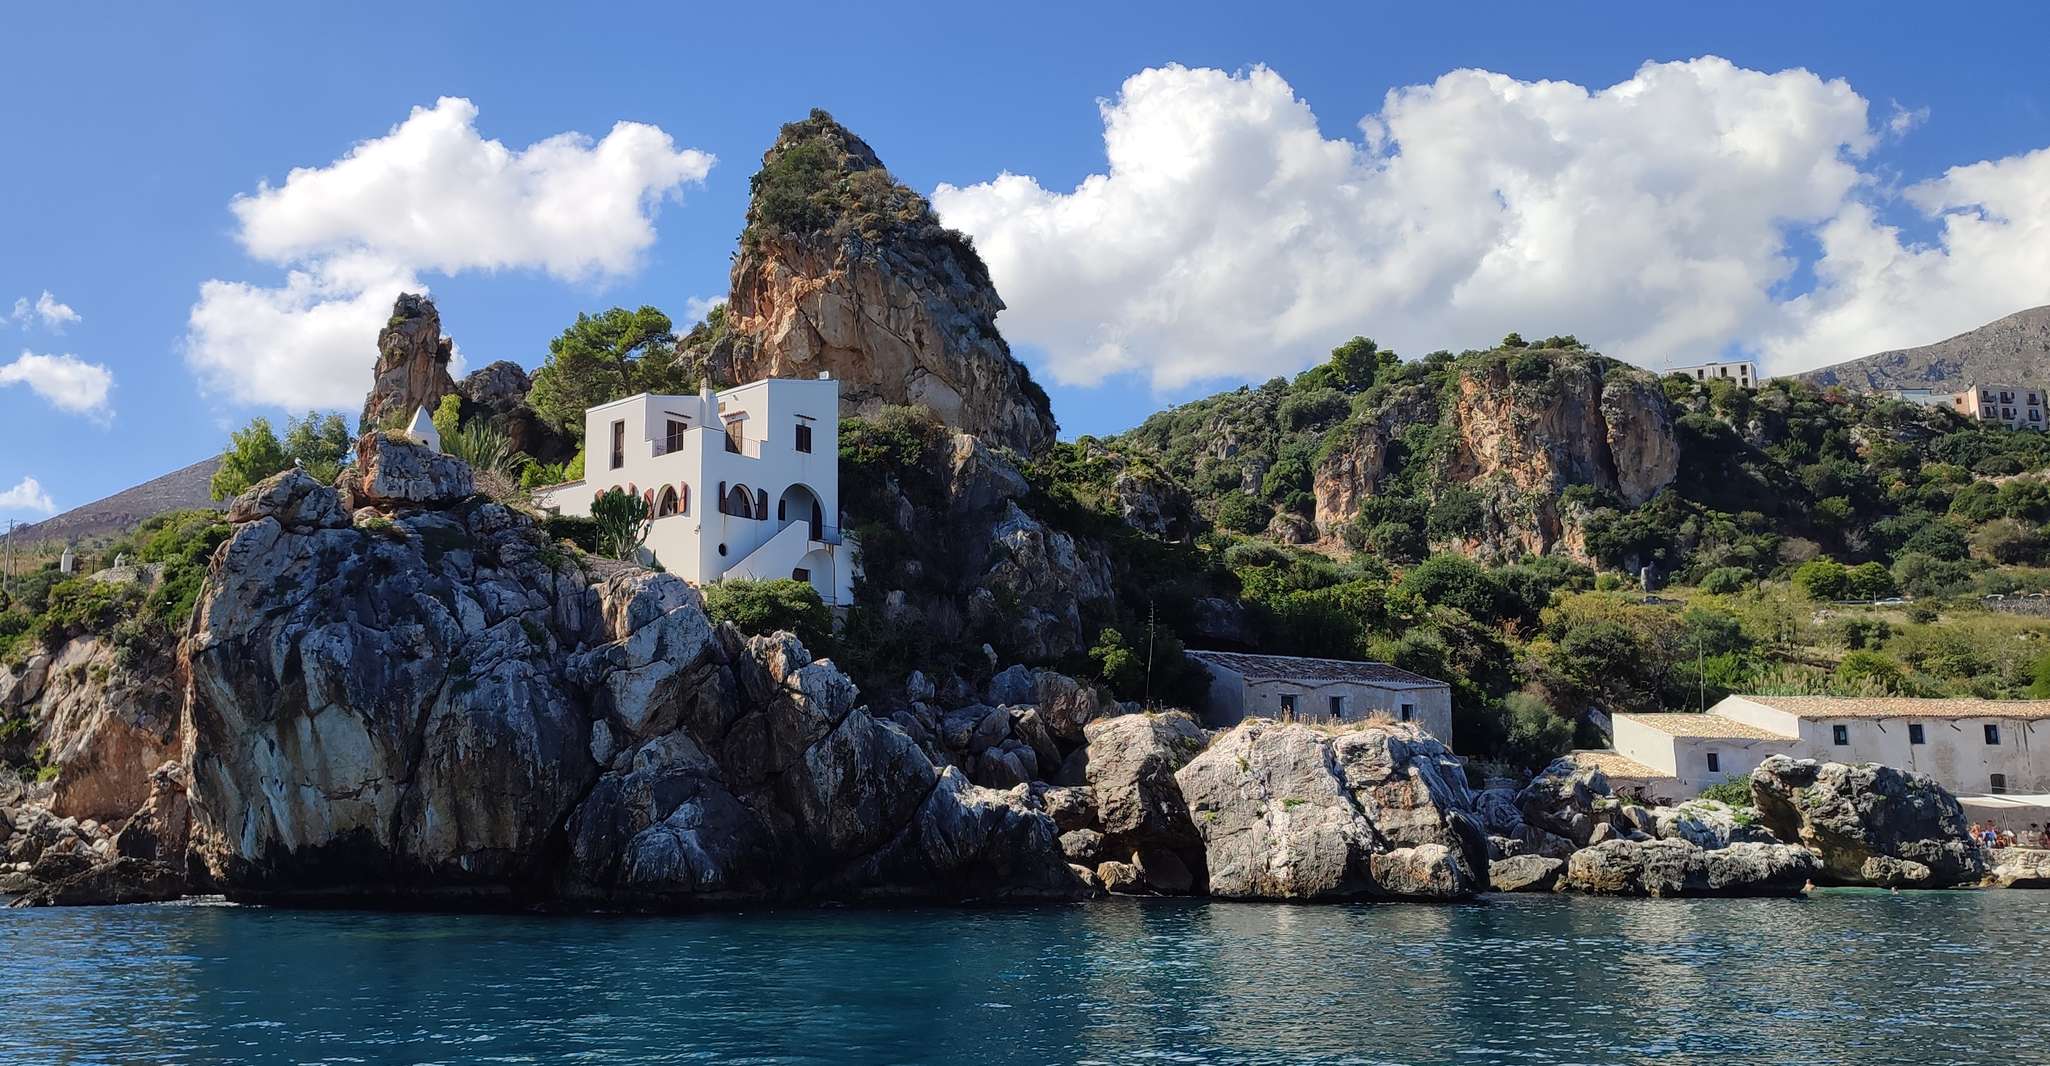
(601, 358)
(317, 443)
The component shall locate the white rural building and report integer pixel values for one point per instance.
(1244, 685)
(1968, 745)
(2013, 406)
(743, 483)
(1743, 372)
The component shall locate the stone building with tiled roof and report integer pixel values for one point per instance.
(1244, 685)
(1970, 746)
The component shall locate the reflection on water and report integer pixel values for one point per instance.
(1840, 978)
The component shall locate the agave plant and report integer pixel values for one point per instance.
(484, 446)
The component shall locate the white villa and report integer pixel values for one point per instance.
(1970, 746)
(742, 483)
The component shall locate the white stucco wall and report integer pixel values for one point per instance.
(1954, 750)
(1233, 699)
(702, 542)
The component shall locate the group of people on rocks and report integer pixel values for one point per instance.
(2036, 836)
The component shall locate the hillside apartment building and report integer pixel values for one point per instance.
(1968, 745)
(743, 483)
(2013, 406)
(1743, 372)
(1245, 685)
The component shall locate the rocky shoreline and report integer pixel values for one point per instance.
(395, 692)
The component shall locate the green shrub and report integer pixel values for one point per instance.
(757, 607)
(1242, 514)
(1726, 580)
(622, 521)
(1735, 791)
(579, 530)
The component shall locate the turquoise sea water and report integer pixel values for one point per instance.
(1844, 977)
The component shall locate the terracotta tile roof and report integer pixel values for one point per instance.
(1313, 671)
(1613, 764)
(1902, 707)
(1703, 725)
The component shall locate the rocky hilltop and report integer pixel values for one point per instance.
(2014, 350)
(844, 270)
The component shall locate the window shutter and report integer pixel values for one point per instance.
(762, 502)
(722, 498)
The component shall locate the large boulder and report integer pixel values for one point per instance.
(1288, 811)
(2020, 868)
(1869, 824)
(392, 471)
(1569, 800)
(1132, 760)
(1525, 873)
(118, 880)
(1620, 867)
(1707, 823)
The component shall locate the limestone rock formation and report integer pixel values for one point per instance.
(1869, 824)
(844, 270)
(498, 394)
(1523, 426)
(105, 717)
(1620, 867)
(459, 713)
(2013, 350)
(1525, 873)
(2020, 868)
(1708, 824)
(1521, 443)
(1287, 811)
(1566, 799)
(412, 363)
(1131, 764)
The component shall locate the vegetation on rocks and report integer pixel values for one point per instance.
(603, 357)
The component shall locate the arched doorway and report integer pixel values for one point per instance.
(800, 504)
(817, 567)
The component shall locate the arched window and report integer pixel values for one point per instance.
(740, 502)
(666, 505)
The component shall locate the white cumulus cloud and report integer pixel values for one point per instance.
(1228, 237)
(66, 381)
(431, 196)
(46, 311)
(27, 496)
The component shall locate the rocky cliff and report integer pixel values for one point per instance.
(843, 270)
(412, 363)
(2014, 350)
(1516, 431)
(404, 692)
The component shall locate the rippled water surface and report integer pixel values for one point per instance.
(1841, 978)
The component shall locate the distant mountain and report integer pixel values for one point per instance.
(177, 490)
(2008, 351)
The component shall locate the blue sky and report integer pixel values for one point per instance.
(131, 130)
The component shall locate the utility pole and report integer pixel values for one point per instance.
(1700, 666)
(7, 582)
(1149, 652)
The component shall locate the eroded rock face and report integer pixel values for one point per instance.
(895, 306)
(498, 392)
(393, 471)
(107, 717)
(412, 363)
(1131, 767)
(1291, 812)
(1525, 873)
(1524, 428)
(1869, 824)
(1620, 867)
(456, 712)
(1563, 799)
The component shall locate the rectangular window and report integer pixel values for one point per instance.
(1338, 706)
(1992, 733)
(618, 445)
(1915, 733)
(800, 574)
(1409, 712)
(1288, 704)
(733, 435)
(1715, 763)
(1999, 783)
(803, 436)
(1840, 734)
(672, 441)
